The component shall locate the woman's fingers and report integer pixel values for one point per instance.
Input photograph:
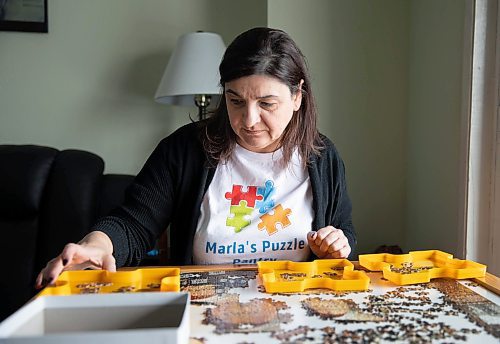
(38, 282)
(49, 274)
(70, 252)
(329, 242)
(75, 257)
(95, 251)
(342, 253)
(338, 244)
(332, 242)
(109, 263)
(326, 237)
(56, 266)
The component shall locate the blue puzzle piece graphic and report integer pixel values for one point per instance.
(267, 203)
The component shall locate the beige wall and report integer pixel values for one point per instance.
(89, 83)
(358, 55)
(434, 124)
(388, 79)
(386, 75)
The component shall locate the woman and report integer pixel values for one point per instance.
(256, 181)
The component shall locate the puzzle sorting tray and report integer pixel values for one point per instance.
(289, 277)
(421, 266)
(102, 282)
(112, 318)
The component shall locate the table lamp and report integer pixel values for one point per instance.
(192, 74)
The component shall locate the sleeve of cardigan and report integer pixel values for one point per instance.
(145, 214)
(343, 216)
(339, 198)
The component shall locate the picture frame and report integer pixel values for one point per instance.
(24, 16)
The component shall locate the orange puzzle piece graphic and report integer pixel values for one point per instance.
(269, 221)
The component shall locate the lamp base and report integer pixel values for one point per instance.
(202, 101)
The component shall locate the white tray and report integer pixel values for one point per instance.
(107, 318)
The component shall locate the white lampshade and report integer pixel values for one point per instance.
(193, 69)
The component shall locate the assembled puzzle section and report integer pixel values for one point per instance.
(421, 266)
(289, 277)
(102, 282)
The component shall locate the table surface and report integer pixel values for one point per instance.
(229, 305)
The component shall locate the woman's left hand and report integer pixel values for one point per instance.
(329, 243)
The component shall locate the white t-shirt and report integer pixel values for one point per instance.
(255, 209)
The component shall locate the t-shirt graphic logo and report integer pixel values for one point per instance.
(267, 202)
(250, 196)
(276, 216)
(243, 204)
(239, 220)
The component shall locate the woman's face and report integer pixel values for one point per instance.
(260, 108)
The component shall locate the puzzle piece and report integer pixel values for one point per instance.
(238, 221)
(269, 221)
(267, 192)
(238, 195)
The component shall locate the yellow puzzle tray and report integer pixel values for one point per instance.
(102, 281)
(289, 277)
(421, 266)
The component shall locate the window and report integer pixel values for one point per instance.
(482, 239)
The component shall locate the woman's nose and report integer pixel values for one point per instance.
(252, 116)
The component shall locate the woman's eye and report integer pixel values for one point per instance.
(236, 101)
(266, 105)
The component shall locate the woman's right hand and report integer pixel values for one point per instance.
(94, 251)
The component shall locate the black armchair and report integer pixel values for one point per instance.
(47, 199)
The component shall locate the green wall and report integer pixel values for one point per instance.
(386, 74)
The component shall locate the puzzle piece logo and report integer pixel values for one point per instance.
(267, 203)
(278, 216)
(237, 195)
(239, 220)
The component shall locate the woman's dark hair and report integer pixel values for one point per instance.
(270, 52)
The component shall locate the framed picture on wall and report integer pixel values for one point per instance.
(23, 15)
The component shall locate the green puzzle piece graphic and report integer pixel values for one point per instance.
(238, 221)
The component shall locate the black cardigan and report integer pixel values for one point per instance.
(170, 187)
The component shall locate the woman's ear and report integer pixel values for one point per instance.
(297, 96)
